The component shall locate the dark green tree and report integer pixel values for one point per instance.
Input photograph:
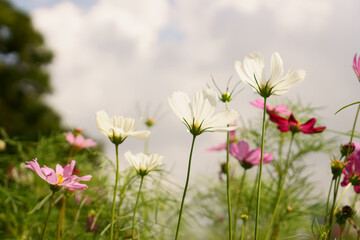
(24, 79)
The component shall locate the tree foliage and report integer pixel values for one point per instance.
(23, 75)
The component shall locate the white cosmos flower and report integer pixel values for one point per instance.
(252, 72)
(143, 163)
(198, 115)
(118, 128)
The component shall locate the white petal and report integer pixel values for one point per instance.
(276, 69)
(244, 77)
(103, 123)
(290, 80)
(180, 104)
(204, 104)
(221, 119)
(139, 134)
(254, 65)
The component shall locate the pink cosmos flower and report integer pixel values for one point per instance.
(246, 156)
(79, 141)
(352, 172)
(62, 177)
(281, 109)
(356, 66)
(294, 126)
(222, 146)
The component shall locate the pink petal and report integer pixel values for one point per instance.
(217, 148)
(70, 137)
(59, 169)
(52, 178)
(68, 169)
(89, 143)
(47, 171)
(84, 178)
(79, 141)
(34, 165)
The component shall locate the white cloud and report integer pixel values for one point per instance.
(119, 52)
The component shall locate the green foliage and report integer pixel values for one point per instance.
(299, 204)
(24, 79)
(24, 196)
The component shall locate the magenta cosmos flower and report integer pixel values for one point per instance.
(281, 109)
(79, 141)
(352, 172)
(356, 66)
(62, 177)
(294, 126)
(246, 156)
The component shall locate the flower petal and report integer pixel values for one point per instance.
(180, 104)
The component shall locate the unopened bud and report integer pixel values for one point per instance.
(337, 167)
(225, 97)
(289, 209)
(346, 149)
(149, 122)
(244, 217)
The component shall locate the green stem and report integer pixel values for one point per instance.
(328, 200)
(341, 197)
(228, 181)
(60, 230)
(243, 230)
(48, 214)
(281, 190)
(115, 189)
(136, 205)
(260, 172)
(238, 201)
(185, 189)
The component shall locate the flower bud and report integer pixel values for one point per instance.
(337, 167)
(244, 217)
(343, 214)
(149, 122)
(346, 149)
(225, 97)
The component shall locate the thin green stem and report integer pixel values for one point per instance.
(228, 180)
(260, 173)
(328, 200)
(243, 230)
(281, 190)
(48, 214)
(60, 229)
(115, 189)
(341, 197)
(136, 205)
(238, 201)
(185, 189)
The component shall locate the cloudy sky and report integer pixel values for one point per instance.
(113, 55)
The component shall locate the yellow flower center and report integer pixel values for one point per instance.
(61, 179)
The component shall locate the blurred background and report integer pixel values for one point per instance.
(62, 61)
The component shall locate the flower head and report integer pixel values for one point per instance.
(356, 66)
(246, 156)
(252, 72)
(143, 163)
(79, 141)
(62, 177)
(281, 109)
(118, 128)
(294, 126)
(352, 172)
(198, 115)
